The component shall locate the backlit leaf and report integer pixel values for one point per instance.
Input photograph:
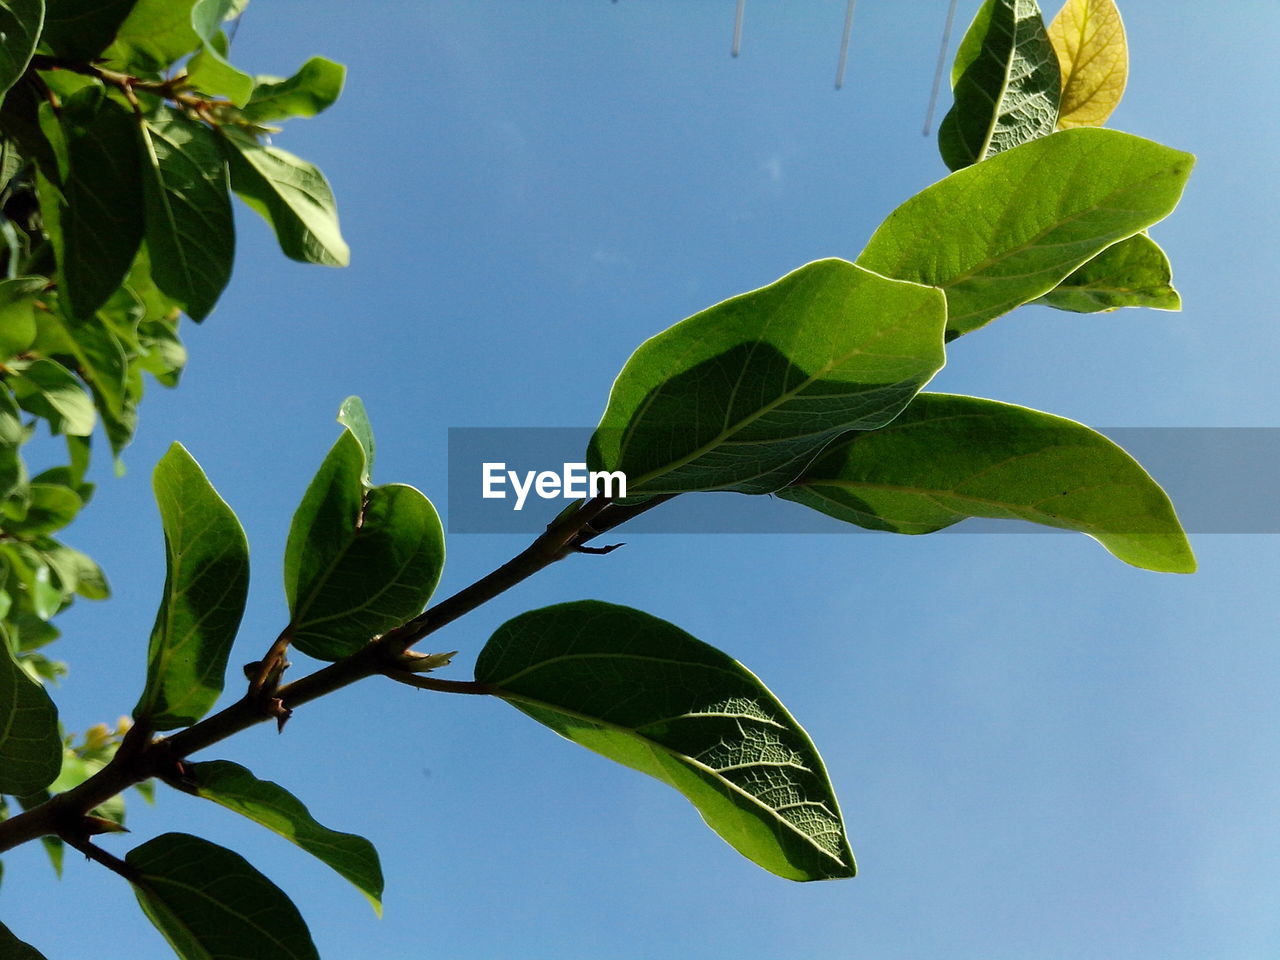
(207, 563)
(50, 390)
(1088, 36)
(30, 745)
(209, 70)
(643, 692)
(1006, 84)
(1131, 273)
(291, 195)
(315, 87)
(211, 904)
(948, 457)
(17, 314)
(1000, 233)
(189, 230)
(741, 396)
(359, 559)
(155, 34)
(269, 804)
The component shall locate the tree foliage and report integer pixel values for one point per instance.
(124, 131)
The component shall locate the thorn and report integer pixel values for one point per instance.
(280, 712)
(597, 551)
(93, 826)
(416, 662)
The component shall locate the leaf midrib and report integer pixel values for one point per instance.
(785, 397)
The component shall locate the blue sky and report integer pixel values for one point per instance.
(1040, 751)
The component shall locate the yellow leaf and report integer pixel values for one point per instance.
(1088, 36)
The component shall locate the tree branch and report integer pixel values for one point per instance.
(140, 758)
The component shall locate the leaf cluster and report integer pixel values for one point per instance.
(811, 388)
(124, 132)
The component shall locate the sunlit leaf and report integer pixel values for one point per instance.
(352, 415)
(17, 314)
(291, 195)
(189, 230)
(948, 457)
(49, 390)
(1005, 231)
(155, 34)
(50, 508)
(207, 562)
(359, 560)
(645, 693)
(741, 396)
(209, 70)
(1006, 84)
(1088, 37)
(269, 804)
(314, 88)
(1131, 273)
(211, 904)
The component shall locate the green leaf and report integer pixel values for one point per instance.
(948, 457)
(742, 395)
(17, 313)
(101, 219)
(11, 948)
(643, 692)
(75, 572)
(1131, 273)
(352, 415)
(82, 29)
(51, 508)
(155, 35)
(20, 25)
(1088, 37)
(1006, 83)
(291, 195)
(359, 560)
(158, 33)
(315, 87)
(189, 230)
(1000, 233)
(269, 804)
(49, 390)
(30, 746)
(38, 593)
(13, 472)
(211, 904)
(208, 71)
(204, 593)
(92, 348)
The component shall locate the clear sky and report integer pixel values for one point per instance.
(1041, 752)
